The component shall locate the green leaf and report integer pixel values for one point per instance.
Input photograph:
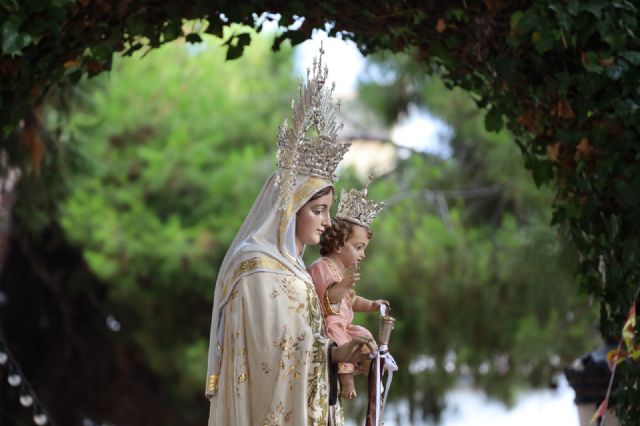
(573, 7)
(234, 52)
(297, 37)
(7, 129)
(216, 28)
(493, 120)
(616, 70)
(244, 39)
(457, 14)
(542, 41)
(558, 217)
(542, 172)
(564, 81)
(515, 18)
(529, 21)
(193, 38)
(13, 41)
(631, 56)
(134, 47)
(236, 44)
(590, 62)
(594, 7)
(10, 5)
(278, 41)
(172, 31)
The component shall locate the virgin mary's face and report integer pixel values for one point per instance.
(312, 219)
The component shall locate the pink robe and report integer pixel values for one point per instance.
(338, 326)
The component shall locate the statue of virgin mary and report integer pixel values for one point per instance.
(269, 360)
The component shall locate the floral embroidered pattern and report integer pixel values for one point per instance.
(281, 380)
(291, 356)
(277, 416)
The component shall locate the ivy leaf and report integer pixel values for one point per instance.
(277, 42)
(590, 62)
(215, 28)
(236, 44)
(234, 52)
(10, 5)
(13, 41)
(632, 57)
(193, 38)
(573, 7)
(296, 37)
(172, 31)
(542, 41)
(558, 216)
(493, 120)
(564, 80)
(244, 39)
(542, 172)
(615, 71)
(134, 47)
(515, 19)
(594, 7)
(527, 22)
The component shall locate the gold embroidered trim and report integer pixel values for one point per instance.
(251, 264)
(327, 302)
(306, 190)
(212, 383)
(327, 299)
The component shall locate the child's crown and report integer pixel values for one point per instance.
(355, 207)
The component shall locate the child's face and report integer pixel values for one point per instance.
(353, 249)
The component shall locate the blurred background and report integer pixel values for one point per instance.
(140, 179)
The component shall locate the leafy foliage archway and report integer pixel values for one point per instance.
(561, 75)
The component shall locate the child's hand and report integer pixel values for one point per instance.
(340, 289)
(375, 305)
(351, 276)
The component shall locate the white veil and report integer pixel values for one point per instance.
(268, 234)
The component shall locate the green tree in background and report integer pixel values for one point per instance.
(176, 148)
(483, 289)
(560, 74)
(180, 144)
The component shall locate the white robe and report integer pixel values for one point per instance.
(275, 355)
(268, 358)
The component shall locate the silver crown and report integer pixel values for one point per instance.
(355, 207)
(309, 145)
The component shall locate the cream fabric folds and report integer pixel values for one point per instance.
(267, 355)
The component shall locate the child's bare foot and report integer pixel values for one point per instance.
(347, 387)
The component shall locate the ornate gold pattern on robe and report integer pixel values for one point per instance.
(274, 363)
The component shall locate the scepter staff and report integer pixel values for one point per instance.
(382, 363)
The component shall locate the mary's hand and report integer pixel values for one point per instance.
(351, 352)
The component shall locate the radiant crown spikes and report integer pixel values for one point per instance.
(355, 207)
(309, 145)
